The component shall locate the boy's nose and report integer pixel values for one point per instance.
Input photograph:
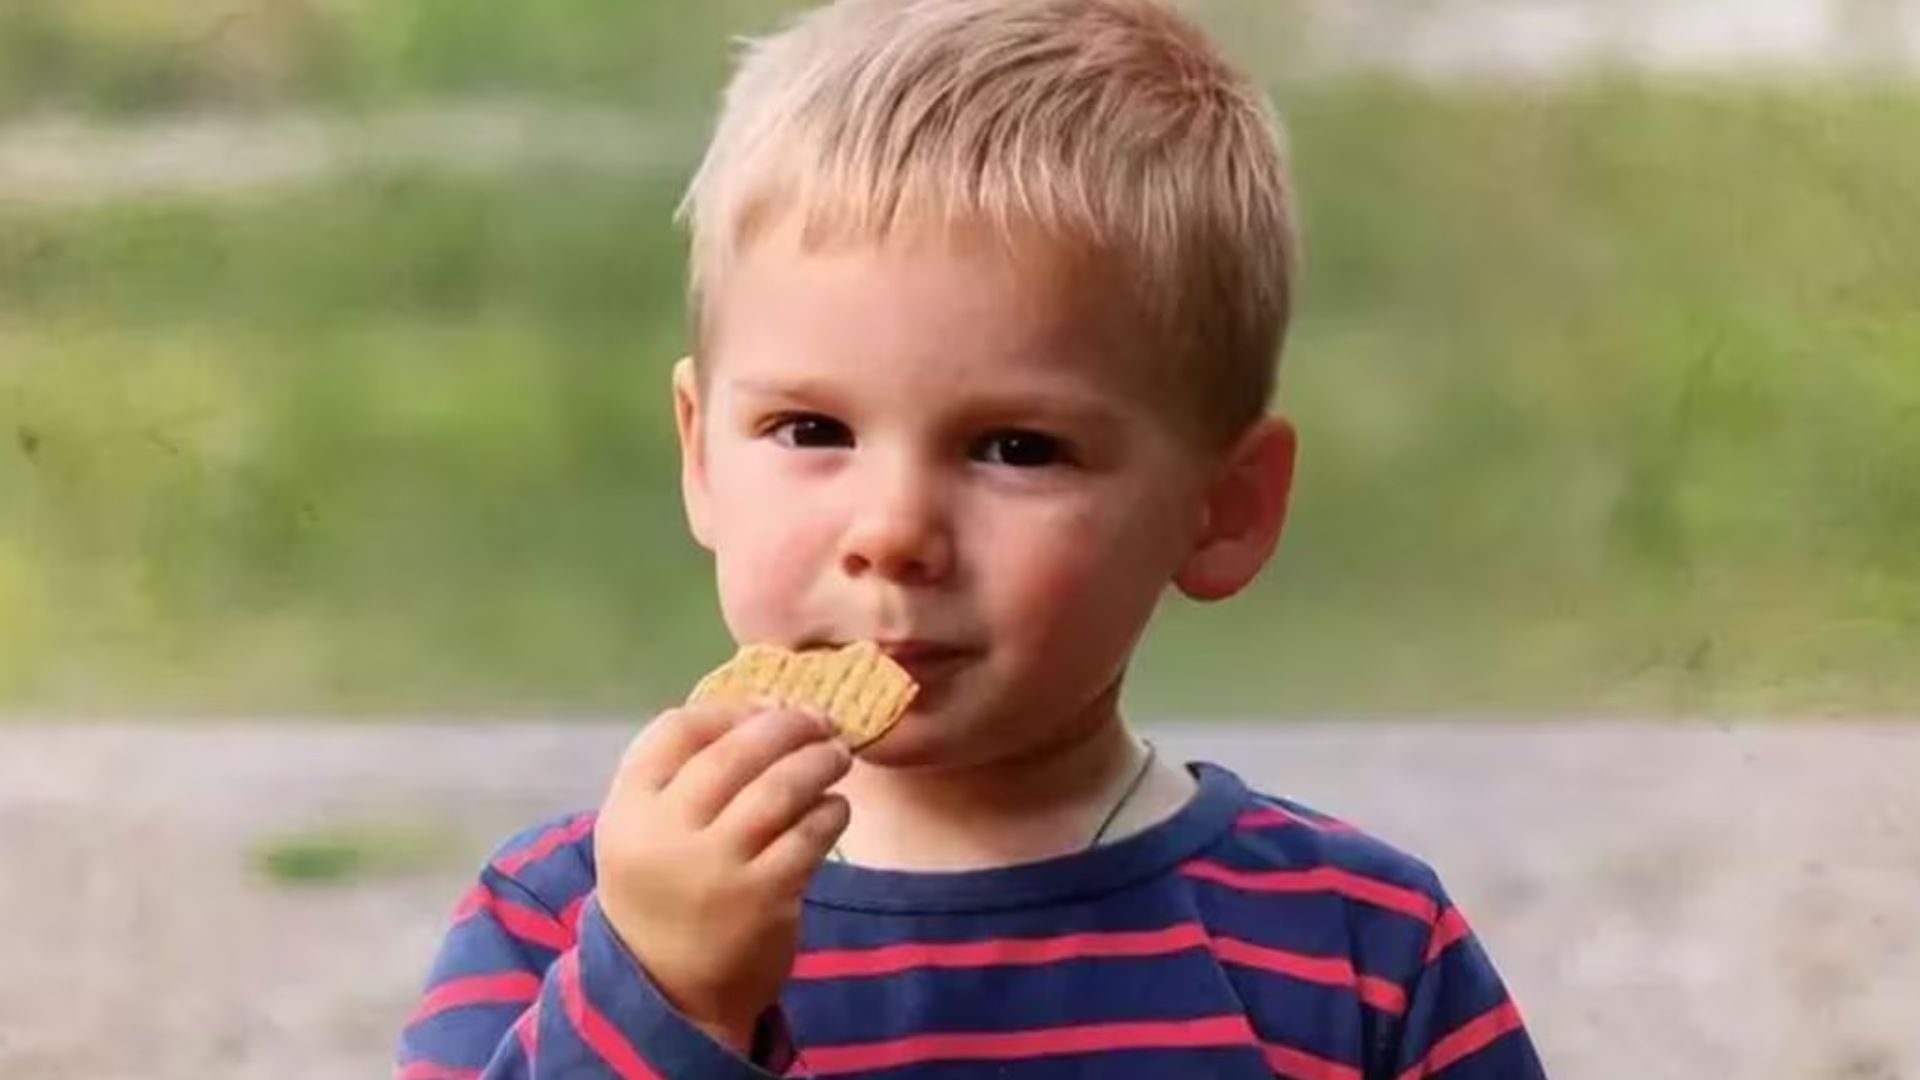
(899, 531)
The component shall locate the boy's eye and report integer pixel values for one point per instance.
(1021, 449)
(810, 430)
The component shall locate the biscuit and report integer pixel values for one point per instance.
(858, 687)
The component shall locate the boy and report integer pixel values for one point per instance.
(987, 296)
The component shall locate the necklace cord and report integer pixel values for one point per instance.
(1126, 797)
(1133, 786)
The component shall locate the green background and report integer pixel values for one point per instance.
(1609, 388)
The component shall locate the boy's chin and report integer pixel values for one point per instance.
(931, 739)
(909, 746)
(949, 737)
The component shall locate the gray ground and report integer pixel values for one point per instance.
(1667, 902)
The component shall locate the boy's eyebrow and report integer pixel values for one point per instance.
(1074, 406)
(781, 388)
(1077, 409)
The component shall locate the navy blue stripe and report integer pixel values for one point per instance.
(1074, 992)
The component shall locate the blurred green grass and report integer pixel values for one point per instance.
(348, 851)
(358, 447)
(162, 56)
(1609, 392)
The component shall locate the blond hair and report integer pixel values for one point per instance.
(1112, 125)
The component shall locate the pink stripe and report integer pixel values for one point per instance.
(532, 926)
(1300, 1065)
(474, 899)
(595, 1029)
(527, 1030)
(1319, 879)
(1332, 971)
(433, 1070)
(1451, 928)
(528, 924)
(1010, 952)
(570, 915)
(545, 844)
(1266, 817)
(1213, 1031)
(1469, 1038)
(1382, 994)
(1326, 970)
(506, 988)
(1271, 817)
(997, 952)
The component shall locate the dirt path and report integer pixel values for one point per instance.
(1668, 903)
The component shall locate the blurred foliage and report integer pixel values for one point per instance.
(345, 852)
(1610, 400)
(1609, 392)
(164, 55)
(358, 446)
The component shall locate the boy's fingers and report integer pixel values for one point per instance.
(772, 802)
(666, 744)
(713, 776)
(791, 859)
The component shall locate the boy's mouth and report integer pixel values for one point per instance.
(903, 651)
(925, 660)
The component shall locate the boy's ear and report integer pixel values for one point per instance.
(1245, 509)
(688, 420)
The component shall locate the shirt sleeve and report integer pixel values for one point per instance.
(1460, 1023)
(517, 992)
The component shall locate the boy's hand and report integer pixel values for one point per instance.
(716, 819)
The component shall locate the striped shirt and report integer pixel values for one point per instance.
(1246, 936)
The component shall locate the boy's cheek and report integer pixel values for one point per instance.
(765, 586)
(1059, 586)
(1076, 564)
(763, 579)
(1066, 596)
(1056, 597)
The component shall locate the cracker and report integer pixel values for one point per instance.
(858, 687)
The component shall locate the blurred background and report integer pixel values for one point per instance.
(334, 339)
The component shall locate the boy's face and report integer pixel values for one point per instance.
(949, 450)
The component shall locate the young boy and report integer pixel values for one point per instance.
(988, 296)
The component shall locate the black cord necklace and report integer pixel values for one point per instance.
(1126, 797)
(1099, 834)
